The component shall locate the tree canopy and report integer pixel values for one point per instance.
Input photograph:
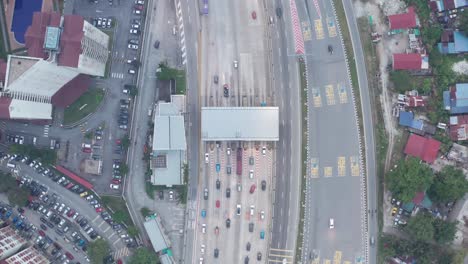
(98, 250)
(463, 21)
(409, 177)
(420, 227)
(144, 256)
(449, 185)
(444, 231)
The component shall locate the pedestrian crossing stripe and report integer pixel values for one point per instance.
(117, 75)
(314, 168)
(341, 166)
(319, 28)
(355, 171)
(330, 94)
(328, 171)
(331, 27)
(337, 257)
(342, 93)
(317, 100)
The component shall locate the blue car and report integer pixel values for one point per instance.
(218, 167)
(15, 219)
(7, 215)
(203, 213)
(262, 234)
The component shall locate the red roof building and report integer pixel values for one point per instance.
(415, 101)
(424, 148)
(403, 21)
(407, 61)
(459, 127)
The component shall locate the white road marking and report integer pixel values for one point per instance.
(96, 218)
(281, 68)
(106, 229)
(115, 241)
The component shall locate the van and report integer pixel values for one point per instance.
(11, 165)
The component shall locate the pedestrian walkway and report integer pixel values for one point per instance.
(46, 130)
(117, 75)
(278, 255)
(123, 252)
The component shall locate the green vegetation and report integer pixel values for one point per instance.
(444, 231)
(420, 227)
(16, 195)
(463, 21)
(132, 231)
(449, 185)
(166, 73)
(410, 176)
(145, 211)
(150, 189)
(98, 250)
(431, 35)
(144, 256)
(401, 80)
(125, 142)
(123, 169)
(118, 206)
(444, 139)
(85, 105)
(133, 91)
(47, 156)
(3, 50)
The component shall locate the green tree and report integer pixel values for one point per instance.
(132, 231)
(123, 169)
(409, 177)
(426, 86)
(431, 35)
(401, 80)
(449, 185)
(420, 228)
(144, 256)
(125, 142)
(444, 231)
(145, 211)
(120, 216)
(98, 250)
(18, 196)
(463, 21)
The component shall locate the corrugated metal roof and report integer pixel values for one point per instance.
(240, 123)
(403, 21)
(461, 42)
(424, 148)
(156, 235)
(406, 118)
(70, 42)
(407, 61)
(169, 133)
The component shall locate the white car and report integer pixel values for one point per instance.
(203, 228)
(171, 195)
(133, 46)
(207, 158)
(262, 215)
(114, 186)
(131, 71)
(202, 249)
(238, 209)
(264, 151)
(228, 151)
(252, 210)
(125, 91)
(332, 223)
(251, 172)
(134, 31)
(135, 26)
(136, 12)
(139, 2)
(236, 64)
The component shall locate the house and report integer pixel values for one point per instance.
(423, 148)
(410, 61)
(459, 127)
(453, 42)
(420, 200)
(456, 99)
(417, 126)
(403, 21)
(446, 5)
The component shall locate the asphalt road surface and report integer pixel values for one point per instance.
(333, 228)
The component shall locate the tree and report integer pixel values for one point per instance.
(431, 35)
(463, 21)
(409, 177)
(18, 196)
(426, 86)
(420, 227)
(125, 142)
(145, 211)
(444, 231)
(144, 256)
(98, 250)
(132, 231)
(120, 216)
(401, 80)
(123, 169)
(449, 185)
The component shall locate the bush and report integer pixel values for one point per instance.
(401, 80)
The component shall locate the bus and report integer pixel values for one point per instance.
(239, 162)
(203, 5)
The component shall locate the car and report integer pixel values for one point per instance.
(205, 194)
(228, 170)
(279, 12)
(83, 194)
(251, 160)
(131, 71)
(123, 126)
(246, 260)
(135, 42)
(203, 213)
(254, 15)
(263, 185)
(41, 233)
(136, 12)
(139, 7)
(135, 26)
(218, 203)
(171, 195)
(251, 227)
(259, 256)
(252, 188)
(228, 192)
(252, 210)
(207, 158)
(236, 64)
(330, 49)
(218, 184)
(156, 44)
(203, 229)
(239, 187)
(135, 31)
(262, 234)
(43, 227)
(225, 90)
(216, 253)
(247, 246)
(238, 209)
(228, 223)
(251, 174)
(99, 209)
(86, 150)
(331, 223)
(140, 2)
(116, 181)
(215, 79)
(133, 46)
(202, 249)
(69, 255)
(372, 241)
(263, 151)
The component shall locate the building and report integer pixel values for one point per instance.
(458, 153)
(10, 242)
(420, 200)
(62, 53)
(417, 126)
(423, 148)
(446, 5)
(410, 61)
(403, 21)
(28, 256)
(155, 232)
(240, 123)
(456, 99)
(169, 146)
(453, 42)
(459, 127)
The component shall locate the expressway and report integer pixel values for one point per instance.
(333, 228)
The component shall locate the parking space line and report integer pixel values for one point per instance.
(115, 241)
(96, 218)
(355, 171)
(113, 233)
(101, 224)
(106, 229)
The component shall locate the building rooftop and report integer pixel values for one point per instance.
(156, 234)
(423, 148)
(18, 65)
(35, 34)
(28, 256)
(407, 61)
(70, 43)
(169, 128)
(456, 99)
(403, 21)
(52, 38)
(240, 123)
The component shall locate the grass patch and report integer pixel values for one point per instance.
(118, 208)
(304, 144)
(16, 195)
(166, 73)
(85, 105)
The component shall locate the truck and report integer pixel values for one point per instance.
(203, 6)
(239, 162)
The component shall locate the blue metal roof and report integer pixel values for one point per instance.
(449, 48)
(417, 124)
(461, 42)
(461, 94)
(406, 118)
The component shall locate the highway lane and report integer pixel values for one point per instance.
(334, 189)
(368, 128)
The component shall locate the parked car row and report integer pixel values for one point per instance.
(102, 22)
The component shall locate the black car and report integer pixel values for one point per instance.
(218, 184)
(83, 222)
(225, 90)
(161, 195)
(228, 223)
(228, 192)
(156, 44)
(123, 121)
(49, 224)
(330, 49)
(216, 253)
(134, 41)
(247, 247)
(259, 256)
(263, 185)
(246, 260)
(251, 227)
(43, 227)
(43, 220)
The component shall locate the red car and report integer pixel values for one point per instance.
(41, 233)
(252, 188)
(99, 209)
(86, 150)
(254, 15)
(69, 255)
(117, 141)
(216, 230)
(139, 7)
(116, 181)
(71, 213)
(218, 203)
(119, 261)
